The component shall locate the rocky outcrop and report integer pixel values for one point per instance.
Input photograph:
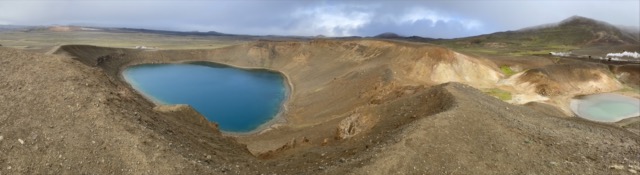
(354, 125)
(628, 74)
(468, 70)
(187, 114)
(564, 79)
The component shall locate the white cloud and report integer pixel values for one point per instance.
(418, 14)
(349, 20)
(332, 20)
(471, 24)
(445, 19)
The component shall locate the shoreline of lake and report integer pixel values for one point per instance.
(278, 119)
(586, 106)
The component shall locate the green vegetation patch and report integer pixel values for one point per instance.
(539, 49)
(506, 70)
(499, 93)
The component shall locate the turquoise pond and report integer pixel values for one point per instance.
(606, 107)
(239, 100)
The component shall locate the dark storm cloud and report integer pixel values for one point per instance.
(440, 19)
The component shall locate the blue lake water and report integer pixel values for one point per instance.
(239, 100)
(606, 107)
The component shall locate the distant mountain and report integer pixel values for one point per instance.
(391, 35)
(166, 32)
(15, 27)
(573, 31)
(601, 32)
(632, 30)
(71, 28)
(388, 35)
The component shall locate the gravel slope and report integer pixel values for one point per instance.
(358, 107)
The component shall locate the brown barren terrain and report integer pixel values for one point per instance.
(356, 107)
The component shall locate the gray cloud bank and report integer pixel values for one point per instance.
(438, 19)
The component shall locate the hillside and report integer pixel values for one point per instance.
(356, 107)
(578, 30)
(572, 33)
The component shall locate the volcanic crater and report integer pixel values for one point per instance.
(356, 106)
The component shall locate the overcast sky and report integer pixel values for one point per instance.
(437, 19)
